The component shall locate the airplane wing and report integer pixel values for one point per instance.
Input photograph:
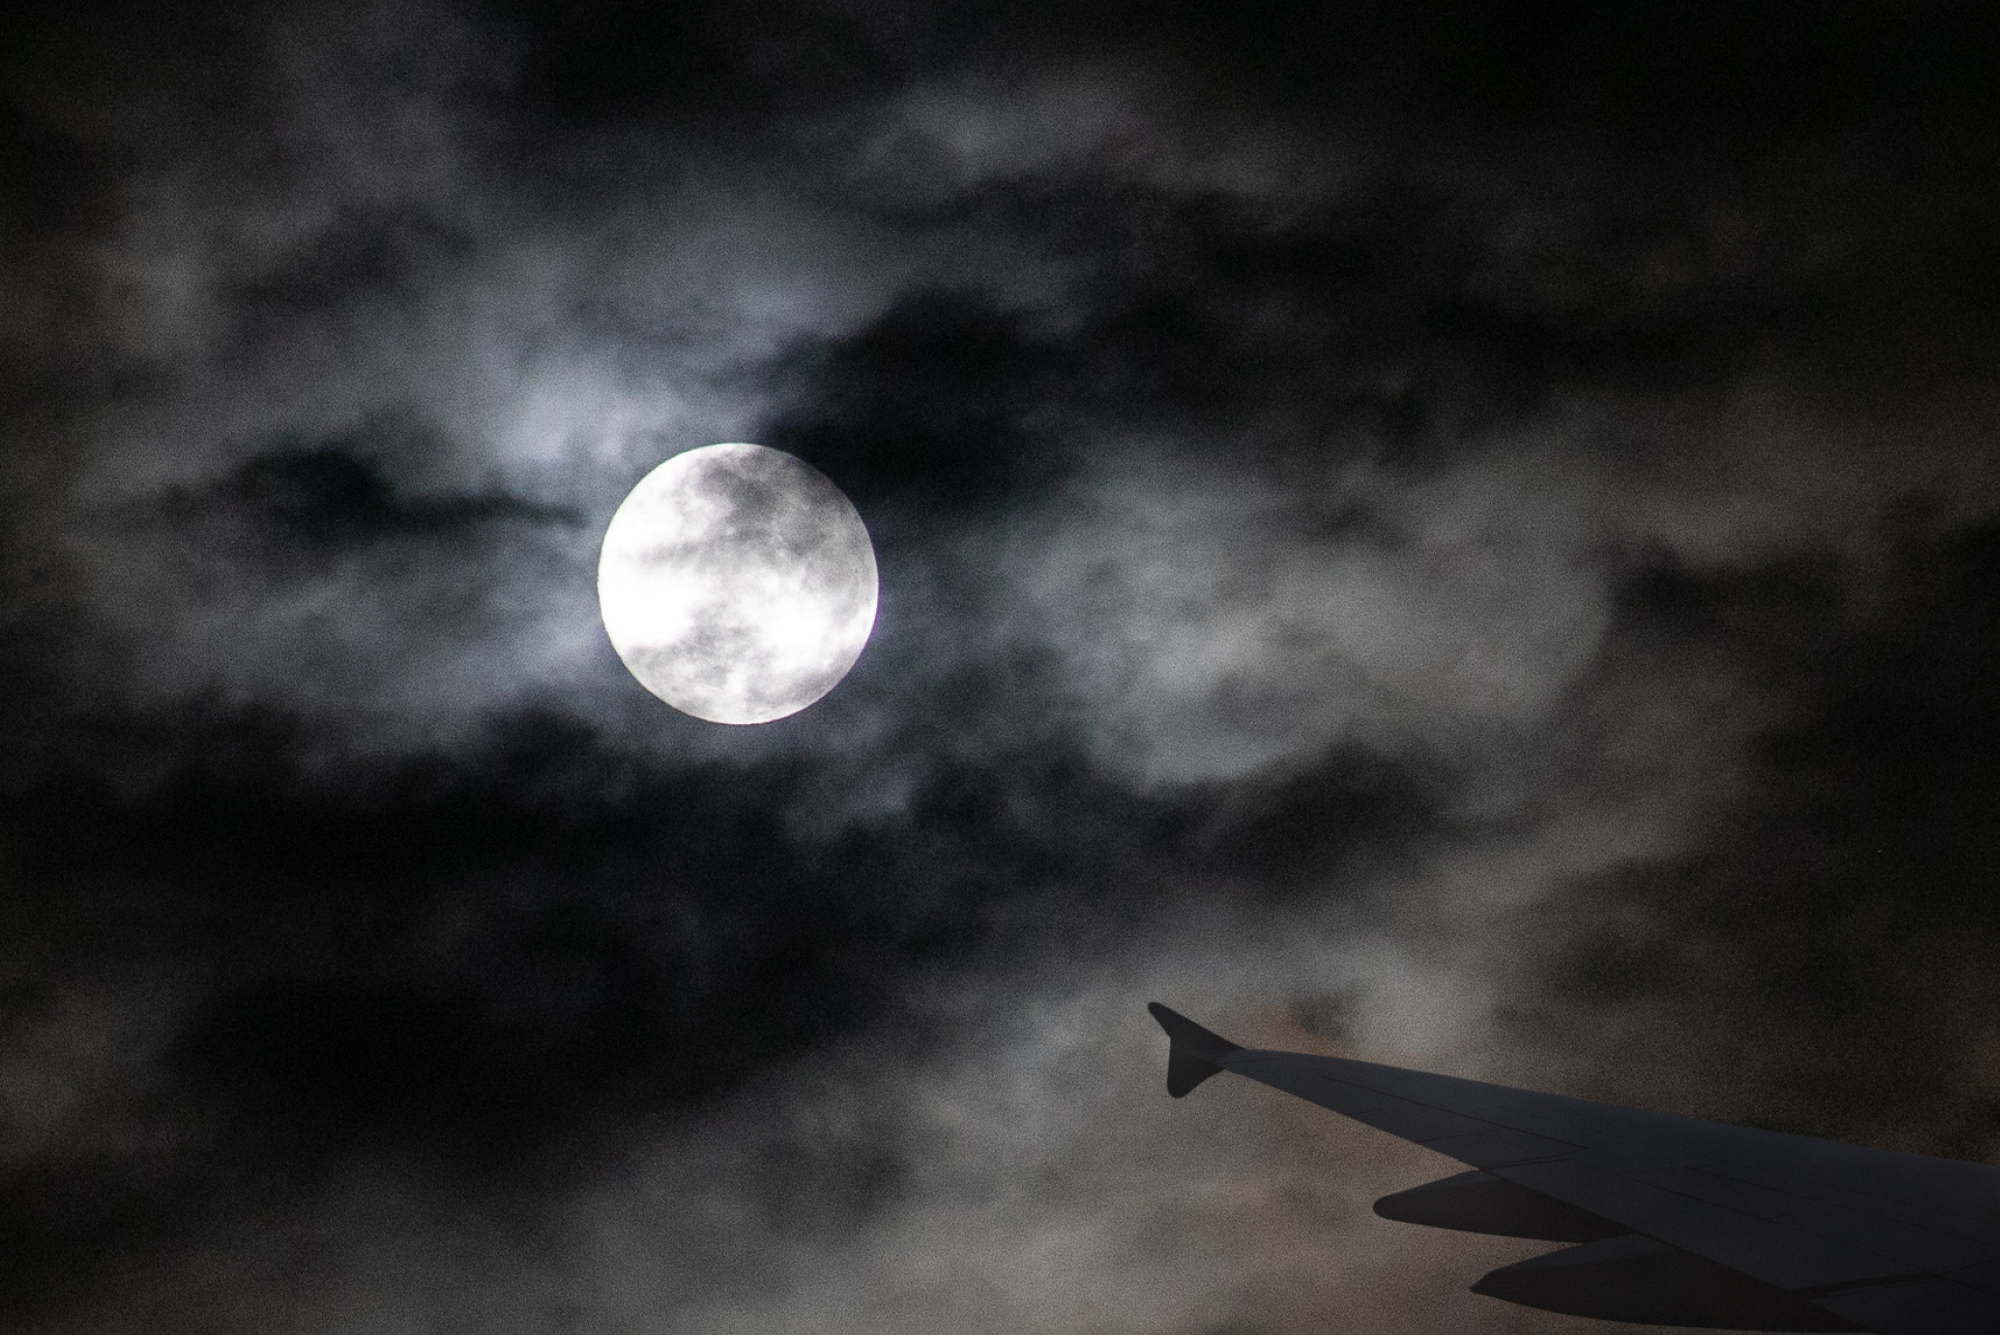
(1674, 1221)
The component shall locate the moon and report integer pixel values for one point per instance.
(737, 583)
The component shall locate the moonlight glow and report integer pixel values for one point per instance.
(737, 583)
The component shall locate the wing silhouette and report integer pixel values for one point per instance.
(1674, 1221)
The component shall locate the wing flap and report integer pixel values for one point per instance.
(1919, 1247)
(1636, 1279)
(1764, 1249)
(1916, 1247)
(1826, 1186)
(1919, 1307)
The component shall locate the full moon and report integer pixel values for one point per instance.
(737, 583)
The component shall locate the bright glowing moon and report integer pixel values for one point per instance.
(737, 583)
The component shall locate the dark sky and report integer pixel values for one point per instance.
(1460, 533)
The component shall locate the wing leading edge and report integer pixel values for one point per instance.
(1675, 1221)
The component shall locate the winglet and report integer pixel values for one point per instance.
(1193, 1054)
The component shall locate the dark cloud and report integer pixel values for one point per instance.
(386, 255)
(53, 182)
(932, 397)
(1837, 929)
(1342, 816)
(330, 496)
(697, 66)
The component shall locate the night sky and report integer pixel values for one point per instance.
(1464, 533)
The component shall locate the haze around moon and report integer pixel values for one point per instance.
(737, 583)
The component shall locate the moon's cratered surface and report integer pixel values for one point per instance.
(737, 583)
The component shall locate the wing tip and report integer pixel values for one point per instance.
(1193, 1053)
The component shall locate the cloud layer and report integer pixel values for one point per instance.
(1465, 538)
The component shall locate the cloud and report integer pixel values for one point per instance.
(1454, 538)
(1223, 624)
